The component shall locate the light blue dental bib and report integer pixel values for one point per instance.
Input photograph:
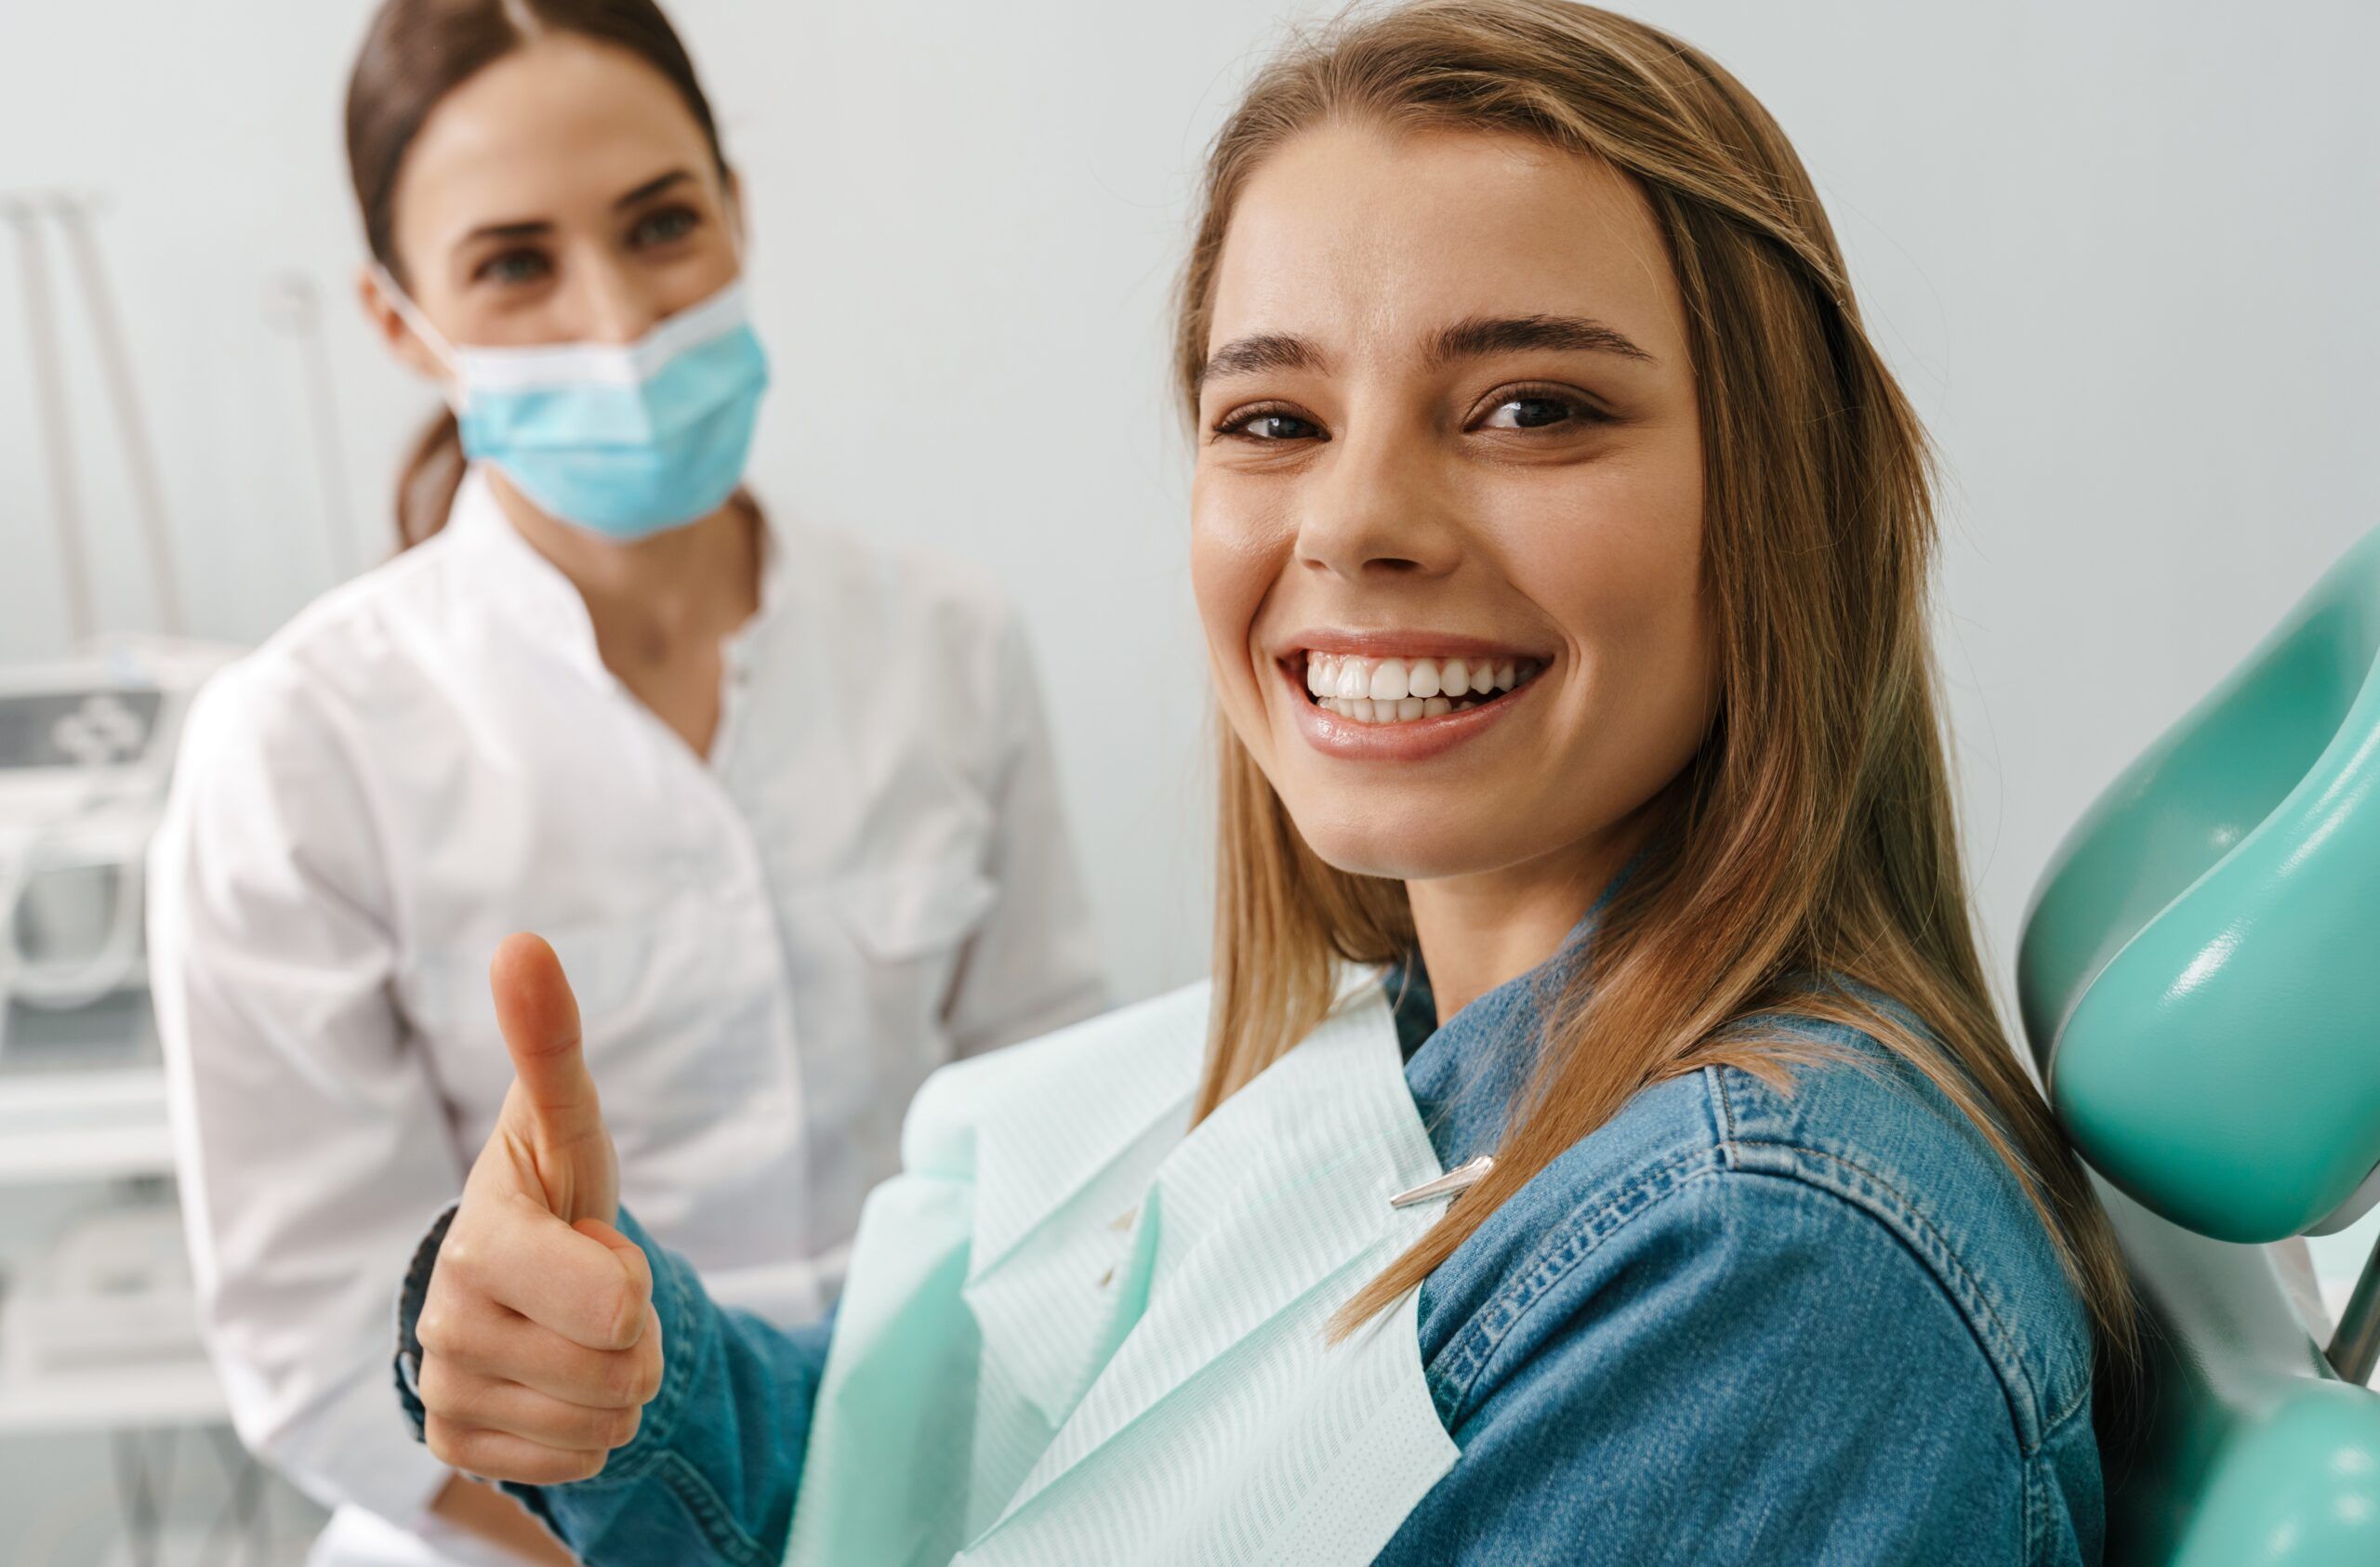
(1075, 1335)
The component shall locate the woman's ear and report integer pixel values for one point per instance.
(733, 187)
(387, 318)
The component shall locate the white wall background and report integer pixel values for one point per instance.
(2121, 254)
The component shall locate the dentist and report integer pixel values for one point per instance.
(782, 801)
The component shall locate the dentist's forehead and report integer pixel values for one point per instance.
(562, 125)
(1373, 240)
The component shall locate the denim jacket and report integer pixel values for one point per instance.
(1736, 1323)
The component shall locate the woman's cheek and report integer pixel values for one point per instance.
(1645, 640)
(1232, 570)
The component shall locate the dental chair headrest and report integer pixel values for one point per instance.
(2199, 975)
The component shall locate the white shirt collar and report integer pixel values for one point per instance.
(532, 596)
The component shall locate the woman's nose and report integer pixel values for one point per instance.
(615, 305)
(1375, 508)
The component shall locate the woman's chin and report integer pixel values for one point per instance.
(1377, 844)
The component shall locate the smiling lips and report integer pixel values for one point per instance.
(1402, 691)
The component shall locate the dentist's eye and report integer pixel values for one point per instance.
(660, 227)
(1270, 425)
(1526, 408)
(512, 269)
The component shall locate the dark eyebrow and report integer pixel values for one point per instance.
(651, 188)
(533, 228)
(519, 229)
(1466, 339)
(1481, 335)
(1264, 350)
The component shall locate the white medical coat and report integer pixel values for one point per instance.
(772, 947)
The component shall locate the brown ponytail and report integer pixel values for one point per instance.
(425, 485)
(416, 52)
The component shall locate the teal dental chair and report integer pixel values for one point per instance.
(2199, 979)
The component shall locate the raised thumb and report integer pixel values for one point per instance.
(539, 1017)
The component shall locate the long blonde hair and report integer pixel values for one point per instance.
(1813, 837)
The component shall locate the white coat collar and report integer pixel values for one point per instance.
(530, 595)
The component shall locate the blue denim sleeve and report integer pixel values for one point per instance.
(1747, 1369)
(711, 1473)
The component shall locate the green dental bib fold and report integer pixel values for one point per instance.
(1075, 1333)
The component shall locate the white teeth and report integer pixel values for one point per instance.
(1391, 690)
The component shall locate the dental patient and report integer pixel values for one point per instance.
(1597, 1143)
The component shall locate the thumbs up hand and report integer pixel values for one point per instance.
(539, 1343)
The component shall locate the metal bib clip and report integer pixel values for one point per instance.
(1453, 1184)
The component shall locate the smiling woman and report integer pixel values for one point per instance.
(1493, 326)
(1597, 1143)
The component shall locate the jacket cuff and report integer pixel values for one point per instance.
(410, 1296)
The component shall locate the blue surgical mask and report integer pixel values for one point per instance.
(624, 440)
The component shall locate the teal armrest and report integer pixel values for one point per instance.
(2200, 971)
(2251, 1452)
(2200, 978)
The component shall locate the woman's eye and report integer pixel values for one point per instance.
(1533, 410)
(513, 268)
(660, 227)
(1269, 424)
